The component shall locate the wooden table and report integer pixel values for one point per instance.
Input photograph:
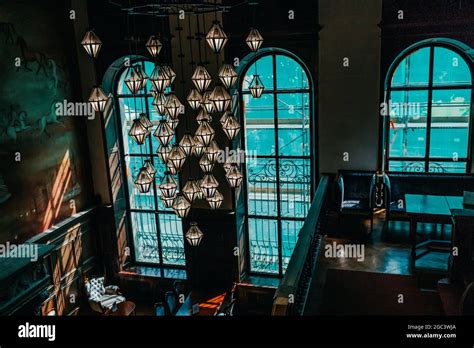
(430, 209)
(124, 309)
(207, 305)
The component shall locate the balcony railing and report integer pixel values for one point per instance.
(291, 295)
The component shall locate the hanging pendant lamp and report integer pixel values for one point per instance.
(254, 40)
(234, 176)
(98, 99)
(153, 45)
(216, 201)
(209, 186)
(205, 133)
(256, 86)
(227, 75)
(91, 44)
(221, 98)
(163, 152)
(190, 190)
(213, 151)
(231, 127)
(168, 186)
(163, 133)
(173, 106)
(194, 99)
(201, 78)
(159, 79)
(194, 235)
(181, 206)
(187, 143)
(138, 132)
(216, 37)
(206, 164)
(176, 158)
(143, 181)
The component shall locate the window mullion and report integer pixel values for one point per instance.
(430, 101)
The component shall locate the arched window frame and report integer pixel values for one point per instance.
(245, 65)
(112, 79)
(466, 53)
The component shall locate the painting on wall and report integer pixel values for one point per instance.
(42, 154)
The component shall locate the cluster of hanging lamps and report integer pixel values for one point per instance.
(194, 235)
(202, 143)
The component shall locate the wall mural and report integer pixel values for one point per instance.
(40, 153)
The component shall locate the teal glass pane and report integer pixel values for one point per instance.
(145, 237)
(450, 123)
(407, 166)
(260, 124)
(290, 74)
(130, 109)
(138, 200)
(407, 128)
(289, 236)
(264, 68)
(293, 124)
(172, 239)
(413, 70)
(449, 68)
(261, 186)
(263, 240)
(447, 167)
(295, 187)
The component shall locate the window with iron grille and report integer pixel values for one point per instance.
(157, 233)
(428, 101)
(278, 167)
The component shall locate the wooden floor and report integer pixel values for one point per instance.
(386, 252)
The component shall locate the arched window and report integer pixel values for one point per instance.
(156, 230)
(279, 166)
(429, 90)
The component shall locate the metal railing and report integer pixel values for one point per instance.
(291, 295)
